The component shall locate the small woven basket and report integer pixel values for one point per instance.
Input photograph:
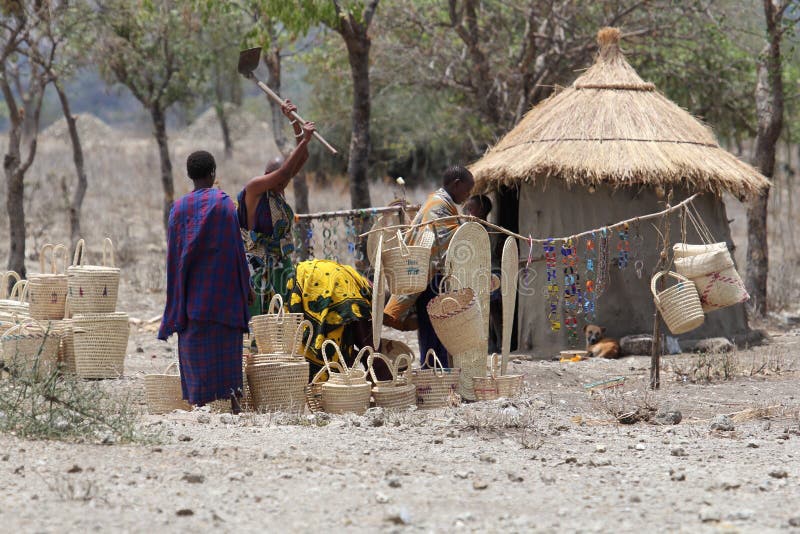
(679, 305)
(457, 319)
(163, 391)
(100, 342)
(47, 291)
(494, 386)
(345, 391)
(31, 350)
(15, 303)
(406, 267)
(93, 288)
(397, 393)
(276, 330)
(435, 387)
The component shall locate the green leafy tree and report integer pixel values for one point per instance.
(153, 47)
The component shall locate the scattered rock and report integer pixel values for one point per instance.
(203, 418)
(19, 470)
(599, 462)
(454, 434)
(184, 437)
(5, 457)
(794, 521)
(678, 451)
(438, 441)
(139, 350)
(395, 483)
(677, 476)
(380, 498)
(714, 344)
(668, 416)
(75, 469)
(635, 498)
(193, 478)
(740, 515)
(570, 460)
(640, 447)
(547, 479)
(236, 477)
(401, 517)
(600, 448)
(722, 423)
(636, 345)
(478, 484)
(108, 438)
(752, 445)
(462, 474)
(184, 512)
(707, 515)
(514, 477)
(778, 473)
(226, 419)
(488, 459)
(375, 417)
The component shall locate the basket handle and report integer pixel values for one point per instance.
(304, 325)
(24, 327)
(445, 302)
(402, 358)
(404, 252)
(77, 257)
(42, 258)
(60, 250)
(20, 291)
(371, 362)
(276, 307)
(658, 275)
(445, 279)
(6, 277)
(108, 253)
(436, 361)
(171, 366)
(322, 370)
(359, 357)
(493, 364)
(344, 370)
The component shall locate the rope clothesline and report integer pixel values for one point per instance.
(530, 239)
(361, 212)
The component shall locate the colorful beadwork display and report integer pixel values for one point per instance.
(636, 251)
(603, 261)
(590, 296)
(571, 306)
(553, 291)
(623, 248)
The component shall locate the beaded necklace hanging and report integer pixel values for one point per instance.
(636, 250)
(623, 248)
(351, 236)
(329, 243)
(602, 264)
(553, 292)
(591, 278)
(569, 259)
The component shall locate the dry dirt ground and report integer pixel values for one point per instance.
(553, 460)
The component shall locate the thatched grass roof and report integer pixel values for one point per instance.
(611, 127)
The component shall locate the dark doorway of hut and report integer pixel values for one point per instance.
(507, 202)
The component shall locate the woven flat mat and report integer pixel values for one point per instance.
(378, 292)
(509, 270)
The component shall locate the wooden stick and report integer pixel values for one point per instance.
(663, 263)
(358, 212)
(529, 239)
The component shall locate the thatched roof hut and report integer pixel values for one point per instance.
(602, 150)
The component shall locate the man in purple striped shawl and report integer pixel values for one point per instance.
(207, 288)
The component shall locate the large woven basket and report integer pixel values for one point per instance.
(163, 391)
(30, 350)
(345, 391)
(47, 291)
(718, 283)
(436, 384)
(494, 386)
(100, 342)
(679, 305)
(15, 303)
(276, 331)
(93, 288)
(456, 318)
(397, 393)
(685, 250)
(406, 267)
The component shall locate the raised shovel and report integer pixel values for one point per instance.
(248, 62)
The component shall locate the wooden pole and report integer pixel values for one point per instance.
(663, 265)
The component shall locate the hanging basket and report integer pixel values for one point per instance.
(163, 391)
(457, 319)
(275, 330)
(685, 250)
(100, 342)
(47, 291)
(679, 305)
(436, 384)
(406, 268)
(397, 393)
(93, 288)
(30, 350)
(494, 386)
(718, 283)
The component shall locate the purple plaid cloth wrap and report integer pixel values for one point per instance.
(207, 291)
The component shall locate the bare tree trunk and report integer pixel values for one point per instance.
(769, 111)
(358, 45)
(222, 116)
(77, 157)
(160, 132)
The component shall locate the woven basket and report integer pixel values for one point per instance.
(163, 391)
(685, 250)
(67, 354)
(100, 343)
(276, 331)
(406, 268)
(15, 302)
(397, 393)
(457, 319)
(718, 283)
(435, 387)
(679, 305)
(93, 288)
(47, 291)
(31, 350)
(345, 391)
(494, 386)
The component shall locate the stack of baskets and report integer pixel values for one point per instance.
(95, 335)
(436, 385)
(276, 381)
(276, 331)
(493, 386)
(345, 391)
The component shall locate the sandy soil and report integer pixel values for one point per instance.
(552, 460)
